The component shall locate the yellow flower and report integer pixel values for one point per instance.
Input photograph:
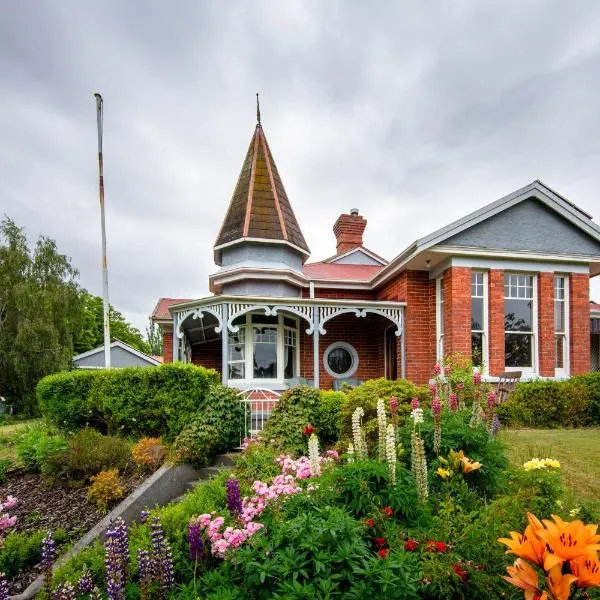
(444, 473)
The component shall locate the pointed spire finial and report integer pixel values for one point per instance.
(257, 110)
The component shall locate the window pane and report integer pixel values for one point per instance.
(518, 315)
(477, 313)
(559, 352)
(237, 370)
(477, 348)
(518, 350)
(339, 360)
(265, 352)
(289, 322)
(290, 362)
(559, 316)
(263, 319)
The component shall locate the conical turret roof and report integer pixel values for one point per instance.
(259, 209)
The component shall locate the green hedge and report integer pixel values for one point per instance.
(548, 404)
(138, 401)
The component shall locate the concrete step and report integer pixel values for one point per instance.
(226, 460)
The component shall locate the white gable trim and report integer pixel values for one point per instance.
(118, 344)
(360, 249)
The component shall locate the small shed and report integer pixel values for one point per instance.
(121, 355)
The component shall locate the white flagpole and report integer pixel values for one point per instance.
(106, 306)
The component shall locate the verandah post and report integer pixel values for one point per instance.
(316, 315)
(224, 344)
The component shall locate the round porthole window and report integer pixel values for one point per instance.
(340, 360)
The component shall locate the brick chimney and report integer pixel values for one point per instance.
(348, 230)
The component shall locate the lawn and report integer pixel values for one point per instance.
(578, 451)
(8, 435)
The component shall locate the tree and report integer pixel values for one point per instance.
(91, 334)
(40, 309)
(154, 337)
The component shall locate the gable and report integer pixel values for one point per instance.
(356, 257)
(527, 226)
(119, 357)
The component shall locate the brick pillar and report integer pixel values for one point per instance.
(496, 321)
(457, 310)
(168, 345)
(546, 323)
(579, 323)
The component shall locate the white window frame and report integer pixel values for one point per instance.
(485, 358)
(564, 372)
(534, 369)
(346, 346)
(439, 327)
(249, 350)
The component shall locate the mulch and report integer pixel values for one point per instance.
(44, 505)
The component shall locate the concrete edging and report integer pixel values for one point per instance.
(166, 484)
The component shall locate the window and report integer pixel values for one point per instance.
(479, 318)
(561, 338)
(439, 296)
(340, 360)
(264, 348)
(519, 321)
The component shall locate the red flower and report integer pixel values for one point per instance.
(464, 575)
(411, 545)
(370, 523)
(379, 541)
(388, 511)
(383, 552)
(441, 546)
(309, 430)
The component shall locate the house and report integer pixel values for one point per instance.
(121, 355)
(507, 284)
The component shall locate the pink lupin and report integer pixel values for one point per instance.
(453, 401)
(414, 403)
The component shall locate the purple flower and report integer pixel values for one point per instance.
(234, 502)
(145, 571)
(495, 424)
(85, 583)
(414, 403)
(143, 516)
(195, 541)
(162, 559)
(115, 577)
(3, 587)
(453, 401)
(64, 591)
(48, 558)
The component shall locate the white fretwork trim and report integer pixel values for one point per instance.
(329, 312)
(237, 310)
(392, 314)
(304, 312)
(198, 313)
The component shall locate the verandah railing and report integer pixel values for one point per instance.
(257, 405)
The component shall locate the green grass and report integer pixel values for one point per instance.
(578, 451)
(9, 434)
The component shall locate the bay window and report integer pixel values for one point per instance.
(561, 334)
(519, 321)
(479, 318)
(265, 348)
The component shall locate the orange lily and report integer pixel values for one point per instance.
(568, 541)
(524, 576)
(468, 465)
(558, 584)
(527, 545)
(587, 570)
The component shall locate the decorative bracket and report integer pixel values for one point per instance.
(303, 311)
(198, 313)
(329, 312)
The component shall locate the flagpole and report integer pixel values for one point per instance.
(106, 306)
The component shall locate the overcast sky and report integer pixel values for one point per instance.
(415, 112)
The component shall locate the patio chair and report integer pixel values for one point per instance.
(506, 384)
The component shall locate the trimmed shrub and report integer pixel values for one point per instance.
(548, 404)
(106, 488)
(88, 452)
(592, 381)
(367, 395)
(197, 442)
(328, 417)
(136, 400)
(296, 409)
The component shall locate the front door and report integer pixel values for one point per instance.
(391, 354)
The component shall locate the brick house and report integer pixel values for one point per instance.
(507, 285)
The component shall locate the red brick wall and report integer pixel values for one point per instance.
(579, 313)
(339, 294)
(364, 333)
(457, 310)
(168, 345)
(394, 289)
(546, 323)
(496, 321)
(208, 355)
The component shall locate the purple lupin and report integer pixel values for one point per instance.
(234, 502)
(3, 587)
(48, 558)
(195, 541)
(85, 585)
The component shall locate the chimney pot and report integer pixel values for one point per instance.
(354, 212)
